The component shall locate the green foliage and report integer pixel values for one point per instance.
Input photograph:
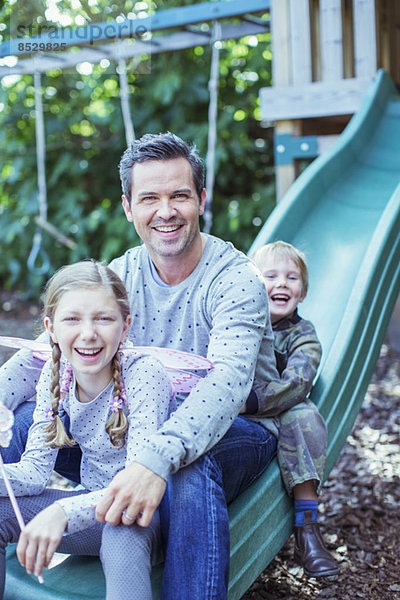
(85, 139)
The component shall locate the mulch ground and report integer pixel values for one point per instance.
(360, 502)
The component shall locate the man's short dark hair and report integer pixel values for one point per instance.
(162, 146)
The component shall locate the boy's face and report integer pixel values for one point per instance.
(284, 285)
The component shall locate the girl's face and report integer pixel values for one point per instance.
(88, 326)
(284, 285)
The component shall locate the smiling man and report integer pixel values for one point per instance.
(193, 292)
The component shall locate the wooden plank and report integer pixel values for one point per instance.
(348, 38)
(300, 41)
(365, 63)
(382, 35)
(286, 174)
(181, 16)
(331, 40)
(315, 40)
(316, 99)
(280, 39)
(179, 40)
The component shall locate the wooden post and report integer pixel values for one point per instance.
(286, 174)
(365, 63)
(331, 40)
(280, 36)
(281, 77)
(300, 35)
(291, 65)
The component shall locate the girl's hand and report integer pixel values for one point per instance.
(40, 539)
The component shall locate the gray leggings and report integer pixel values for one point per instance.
(125, 552)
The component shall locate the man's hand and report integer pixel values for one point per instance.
(137, 491)
(40, 538)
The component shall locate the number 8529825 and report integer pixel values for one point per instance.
(40, 46)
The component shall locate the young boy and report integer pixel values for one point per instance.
(302, 430)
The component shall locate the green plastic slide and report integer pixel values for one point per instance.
(344, 212)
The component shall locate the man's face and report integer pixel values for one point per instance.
(164, 206)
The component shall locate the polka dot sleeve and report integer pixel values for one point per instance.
(31, 474)
(18, 378)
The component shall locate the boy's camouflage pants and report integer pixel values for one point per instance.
(302, 445)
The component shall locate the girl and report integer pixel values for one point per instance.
(112, 405)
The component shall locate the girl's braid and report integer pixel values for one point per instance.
(56, 435)
(117, 424)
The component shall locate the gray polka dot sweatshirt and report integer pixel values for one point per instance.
(148, 390)
(220, 311)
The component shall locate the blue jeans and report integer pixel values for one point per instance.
(68, 459)
(194, 515)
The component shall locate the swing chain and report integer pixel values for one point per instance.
(37, 249)
(212, 124)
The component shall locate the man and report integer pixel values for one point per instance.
(191, 292)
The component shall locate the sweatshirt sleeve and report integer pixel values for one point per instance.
(19, 377)
(297, 375)
(31, 474)
(237, 311)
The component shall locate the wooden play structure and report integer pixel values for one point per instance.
(343, 211)
(325, 54)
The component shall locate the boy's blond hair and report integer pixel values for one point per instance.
(281, 249)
